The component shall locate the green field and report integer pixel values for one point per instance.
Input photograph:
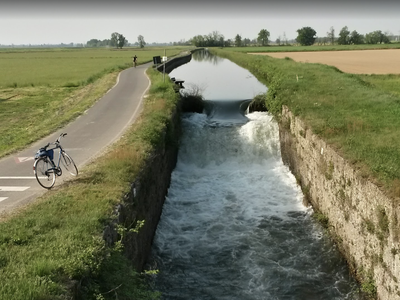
(295, 48)
(68, 66)
(43, 89)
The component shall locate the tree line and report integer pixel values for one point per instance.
(117, 40)
(306, 36)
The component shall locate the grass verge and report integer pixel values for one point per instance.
(358, 119)
(56, 243)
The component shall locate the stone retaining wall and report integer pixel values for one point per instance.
(362, 219)
(145, 199)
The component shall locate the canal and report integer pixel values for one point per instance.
(233, 224)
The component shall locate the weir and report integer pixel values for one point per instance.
(226, 108)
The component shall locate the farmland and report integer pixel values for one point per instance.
(67, 66)
(384, 61)
(43, 89)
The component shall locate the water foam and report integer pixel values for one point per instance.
(233, 224)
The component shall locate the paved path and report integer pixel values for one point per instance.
(87, 136)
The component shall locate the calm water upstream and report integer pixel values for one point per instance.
(233, 224)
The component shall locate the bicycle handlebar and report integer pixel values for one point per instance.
(61, 136)
(57, 142)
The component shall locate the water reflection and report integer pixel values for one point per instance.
(205, 55)
(217, 78)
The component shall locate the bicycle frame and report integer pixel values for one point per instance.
(61, 150)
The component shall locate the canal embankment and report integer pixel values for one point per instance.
(336, 136)
(92, 234)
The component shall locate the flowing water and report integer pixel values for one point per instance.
(233, 224)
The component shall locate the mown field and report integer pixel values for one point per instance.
(68, 67)
(43, 89)
(298, 48)
(382, 61)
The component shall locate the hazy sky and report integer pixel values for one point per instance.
(78, 21)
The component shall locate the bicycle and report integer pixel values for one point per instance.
(46, 170)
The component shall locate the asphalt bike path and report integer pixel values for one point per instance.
(87, 136)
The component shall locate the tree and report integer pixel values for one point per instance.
(114, 39)
(331, 35)
(222, 41)
(263, 37)
(356, 38)
(141, 41)
(344, 38)
(228, 43)
(197, 40)
(238, 40)
(217, 39)
(214, 39)
(118, 40)
(306, 36)
(121, 41)
(93, 43)
(376, 37)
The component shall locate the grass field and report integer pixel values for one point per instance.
(41, 90)
(68, 66)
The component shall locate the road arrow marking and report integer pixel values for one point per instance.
(23, 159)
(3, 198)
(13, 188)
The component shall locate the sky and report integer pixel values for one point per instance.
(78, 21)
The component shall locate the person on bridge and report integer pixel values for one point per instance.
(134, 61)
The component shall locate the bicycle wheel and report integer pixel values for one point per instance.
(69, 164)
(44, 172)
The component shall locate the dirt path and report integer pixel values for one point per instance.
(385, 61)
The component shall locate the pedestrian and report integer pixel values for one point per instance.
(134, 61)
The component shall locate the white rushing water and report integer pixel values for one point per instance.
(233, 224)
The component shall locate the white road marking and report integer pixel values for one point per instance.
(3, 198)
(23, 159)
(13, 188)
(17, 177)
